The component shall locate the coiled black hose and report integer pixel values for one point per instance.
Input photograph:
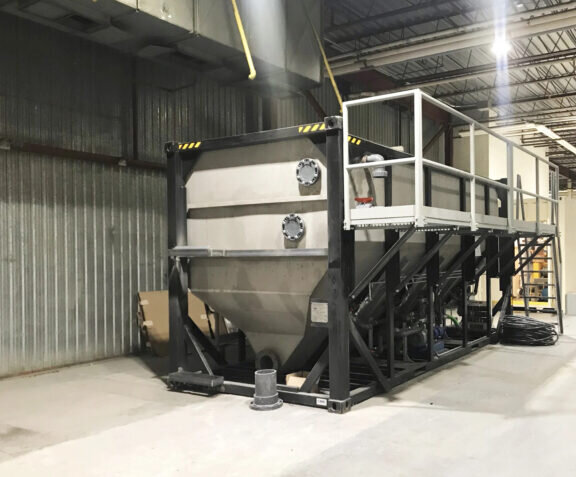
(522, 330)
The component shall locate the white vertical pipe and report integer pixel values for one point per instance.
(555, 195)
(418, 164)
(472, 182)
(345, 171)
(537, 175)
(510, 177)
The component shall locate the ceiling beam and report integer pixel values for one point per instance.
(566, 172)
(474, 72)
(516, 102)
(370, 80)
(522, 25)
(534, 115)
(505, 86)
(402, 23)
(561, 155)
(386, 15)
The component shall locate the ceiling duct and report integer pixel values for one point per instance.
(279, 34)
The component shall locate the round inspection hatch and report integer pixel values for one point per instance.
(293, 227)
(307, 172)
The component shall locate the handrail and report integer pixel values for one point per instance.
(420, 163)
(391, 162)
(449, 109)
(486, 129)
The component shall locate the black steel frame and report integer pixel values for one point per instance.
(351, 375)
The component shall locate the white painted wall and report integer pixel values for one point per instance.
(462, 153)
(524, 165)
(491, 162)
(567, 219)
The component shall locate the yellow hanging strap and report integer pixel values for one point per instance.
(245, 45)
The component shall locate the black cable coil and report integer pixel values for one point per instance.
(522, 330)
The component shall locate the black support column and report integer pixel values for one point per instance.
(392, 280)
(340, 272)
(432, 268)
(178, 277)
(491, 272)
(468, 270)
(432, 279)
(506, 245)
(392, 276)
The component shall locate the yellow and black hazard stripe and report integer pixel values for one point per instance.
(354, 140)
(189, 145)
(310, 128)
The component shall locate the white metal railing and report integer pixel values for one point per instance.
(418, 160)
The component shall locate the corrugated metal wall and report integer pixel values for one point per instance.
(200, 110)
(78, 240)
(298, 110)
(377, 122)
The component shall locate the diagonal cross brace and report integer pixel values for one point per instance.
(193, 333)
(379, 267)
(365, 353)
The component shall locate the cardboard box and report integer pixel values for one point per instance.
(153, 316)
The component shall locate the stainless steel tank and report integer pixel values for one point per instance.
(260, 212)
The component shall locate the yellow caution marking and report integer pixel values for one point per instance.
(307, 128)
(354, 140)
(197, 145)
(185, 146)
(179, 146)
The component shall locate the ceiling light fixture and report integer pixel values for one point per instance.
(501, 46)
(552, 135)
(566, 145)
(547, 132)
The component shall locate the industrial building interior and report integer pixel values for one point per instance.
(287, 237)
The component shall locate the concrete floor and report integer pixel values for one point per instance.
(504, 411)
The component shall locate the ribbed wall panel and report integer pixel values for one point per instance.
(78, 240)
(377, 122)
